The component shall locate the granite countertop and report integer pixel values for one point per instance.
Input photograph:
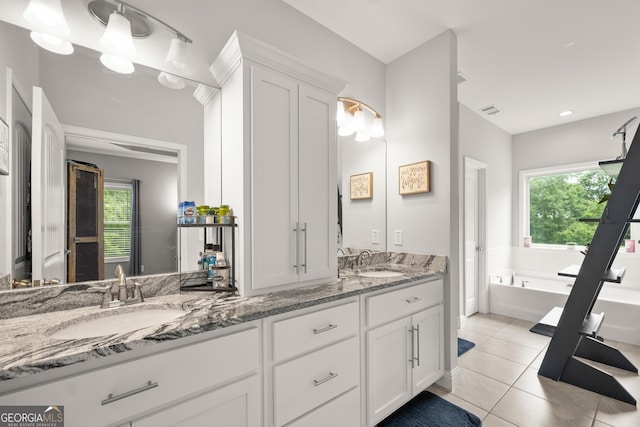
(28, 348)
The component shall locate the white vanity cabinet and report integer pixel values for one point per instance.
(312, 366)
(404, 345)
(279, 169)
(218, 377)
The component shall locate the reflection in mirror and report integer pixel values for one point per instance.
(130, 127)
(363, 219)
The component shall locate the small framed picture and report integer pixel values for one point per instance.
(415, 178)
(4, 148)
(361, 186)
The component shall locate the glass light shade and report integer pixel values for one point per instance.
(117, 64)
(52, 43)
(46, 16)
(377, 130)
(358, 121)
(171, 81)
(362, 137)
(345, 131)
(117, 38)
(177, 54)
(340, 114)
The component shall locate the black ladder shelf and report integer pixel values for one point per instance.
(569, 340)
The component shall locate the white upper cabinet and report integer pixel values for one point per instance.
(278, 165)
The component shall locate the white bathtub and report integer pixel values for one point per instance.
(538, 296)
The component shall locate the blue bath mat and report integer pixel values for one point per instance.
(429, 410)
(464, 346)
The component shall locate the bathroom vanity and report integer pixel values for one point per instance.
(298, 357)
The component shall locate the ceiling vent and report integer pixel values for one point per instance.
(461, 77)
(490, 110)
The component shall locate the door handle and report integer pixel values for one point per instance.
(296, 266)
(304, 231)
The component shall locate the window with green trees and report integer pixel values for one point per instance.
(117, 220)
(558, 200)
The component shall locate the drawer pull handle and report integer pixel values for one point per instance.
(413, 299)
(325, 329)
(111, 398)
(331, 376)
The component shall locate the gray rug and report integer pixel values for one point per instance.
(429, 410)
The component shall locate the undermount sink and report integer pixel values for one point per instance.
(117, 323)
(380, 273)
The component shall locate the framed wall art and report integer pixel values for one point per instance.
(4, 148)
(361, 186)
(415, 178)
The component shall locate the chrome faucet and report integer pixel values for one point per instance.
(341, 250)
(119, 293)
(362, 255)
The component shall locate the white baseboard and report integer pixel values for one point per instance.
(450, 379)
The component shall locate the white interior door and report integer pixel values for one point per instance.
(48, 191)
(21, 193)
(474, 237)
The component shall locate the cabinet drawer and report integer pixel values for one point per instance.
(303, 384)
(299, 334)
(158, 379)
(392, 305)
(343, 411)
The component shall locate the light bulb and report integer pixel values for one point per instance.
(117, 64)
(117, 37)
(171, 81)
(377, 130)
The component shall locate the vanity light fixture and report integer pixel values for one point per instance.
(124, 23)
(351, 119)
(49, 25)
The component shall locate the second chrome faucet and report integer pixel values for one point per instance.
(120, 292)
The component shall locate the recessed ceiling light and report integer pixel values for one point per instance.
(565, 113)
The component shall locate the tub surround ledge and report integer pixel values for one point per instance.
(27, 347)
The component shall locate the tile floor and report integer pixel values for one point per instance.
(500, 382)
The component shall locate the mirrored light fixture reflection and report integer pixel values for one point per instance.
(124, 23)
(49, 25)
(351, 119)
(171, 81)
(117, 42)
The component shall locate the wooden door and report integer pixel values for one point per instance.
(48, 191)
(85, 223)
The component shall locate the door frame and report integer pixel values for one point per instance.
(481, 280)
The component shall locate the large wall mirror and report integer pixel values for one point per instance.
(363, 219)
(146, 139)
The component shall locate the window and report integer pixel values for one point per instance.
(556, 199)
(117, 221)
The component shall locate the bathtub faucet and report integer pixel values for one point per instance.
(499, 279)
(523, 283)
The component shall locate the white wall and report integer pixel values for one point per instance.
(485, 142)
(422, 124)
